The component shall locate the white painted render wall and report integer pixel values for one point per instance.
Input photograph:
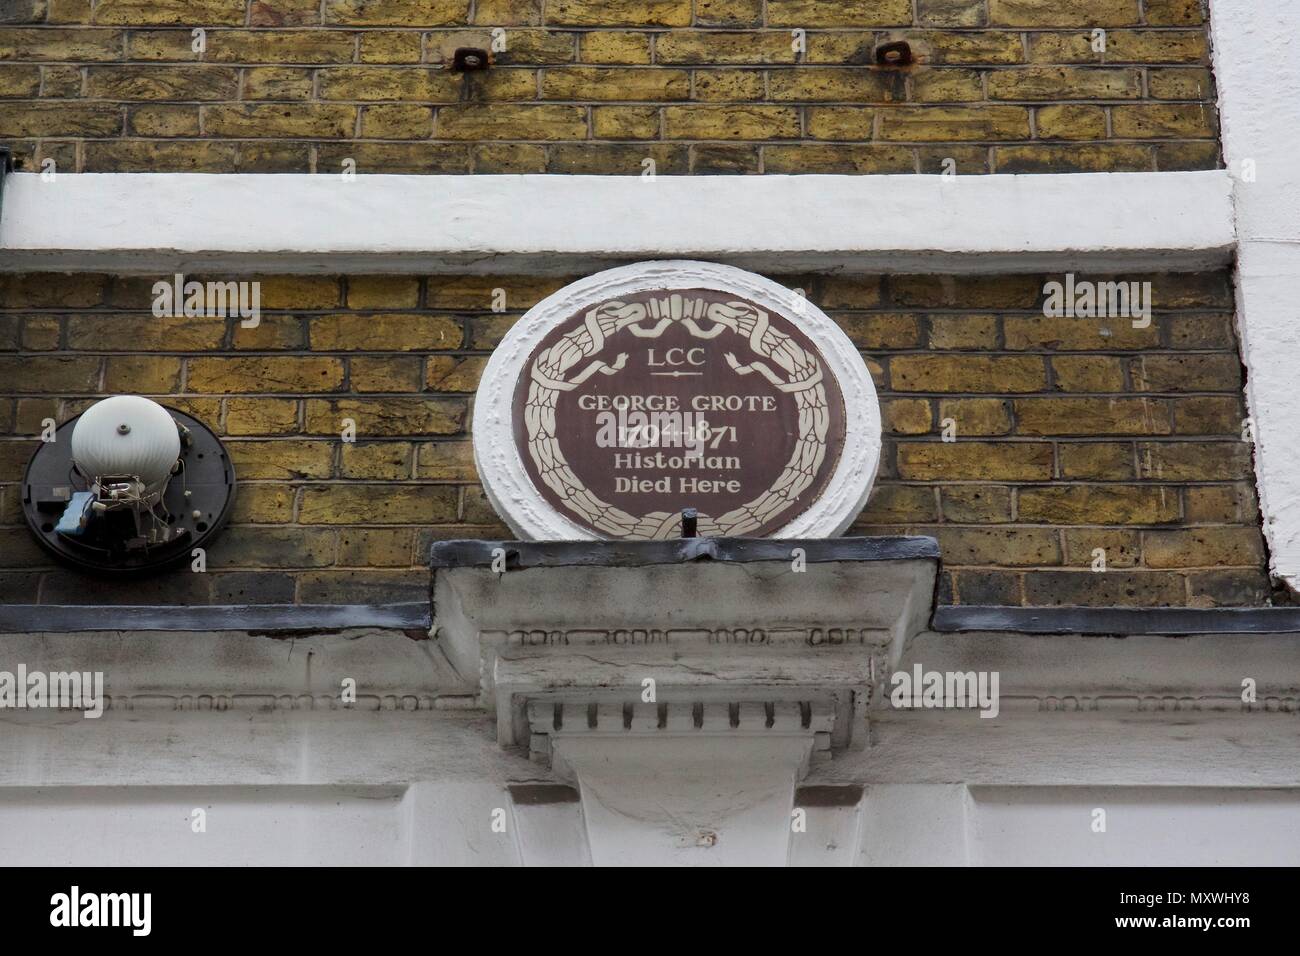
(1257, 68)
(1185, 773)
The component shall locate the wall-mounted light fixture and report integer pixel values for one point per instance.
(128, 486)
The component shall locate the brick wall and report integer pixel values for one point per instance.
(599, 86)
(1071, 434)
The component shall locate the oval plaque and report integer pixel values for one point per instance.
(629, 396)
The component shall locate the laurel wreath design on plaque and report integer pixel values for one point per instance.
(800, 376)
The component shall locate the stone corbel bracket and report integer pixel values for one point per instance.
(691, 638)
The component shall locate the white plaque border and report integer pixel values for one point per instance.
(501, 469)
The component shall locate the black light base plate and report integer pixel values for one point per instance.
(208, 475)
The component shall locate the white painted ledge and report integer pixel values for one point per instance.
(1257, 69)
(152, 222)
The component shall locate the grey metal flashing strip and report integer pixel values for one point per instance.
(632, 554)
(1118, 621)
(262, 618)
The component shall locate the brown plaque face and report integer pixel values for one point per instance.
(639, 407)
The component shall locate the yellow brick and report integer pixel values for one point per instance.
(731, 122)
(190, 82)
(401, 13)
(315, 120)
(384, 417)
(1065, 83)
(171, 12)
(711, 48)
(1160, 120)
(375, 547)
(1174, 13)
(369, 83)
(616, 159)
(478, 293)
(142, 374)
(507, 12)
(509, 158)
(1088, 373)
(879, 330)
(976, 416)
(164, 121)
(1122, 46)
(1076, 334)
(1203, 548)
(729, 86)
(394, 157)
(1085, 158)
(966, 292)
(827, 158)
(963, 332)
(839, 13)
(277, 83)
(264, 504)
(899, 504)
(1071, 122)
(281, 13)
(1187, 373)
(815, 84)
(966, 373)
(947, 86)
(277, 47)
(385, 46)
(1055, 13)
(59, 81)
(1174, 84)
(349, 332)
(1122, 548)
(985, 461)
(613, 13)
(377, 504)
(951, 13)
(385, 373)
(729, 13)
(57, 119)
(1209, 415)
(601, 83)
(20, 81)
(282, 460)
(548, 122)
(1003, 547)
(388, 460)
(383, 292)
(446, 461)
(449, 373)
(611, 46)
(40, 333)
(63, 45)
(261, 416)
(397, 121)
(1091, 416)
(272, 332)
(264, 374)
(931, 123)
(299, 292)
(1099, 504)
(976, 504)
(145, 333)
(625, 122)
